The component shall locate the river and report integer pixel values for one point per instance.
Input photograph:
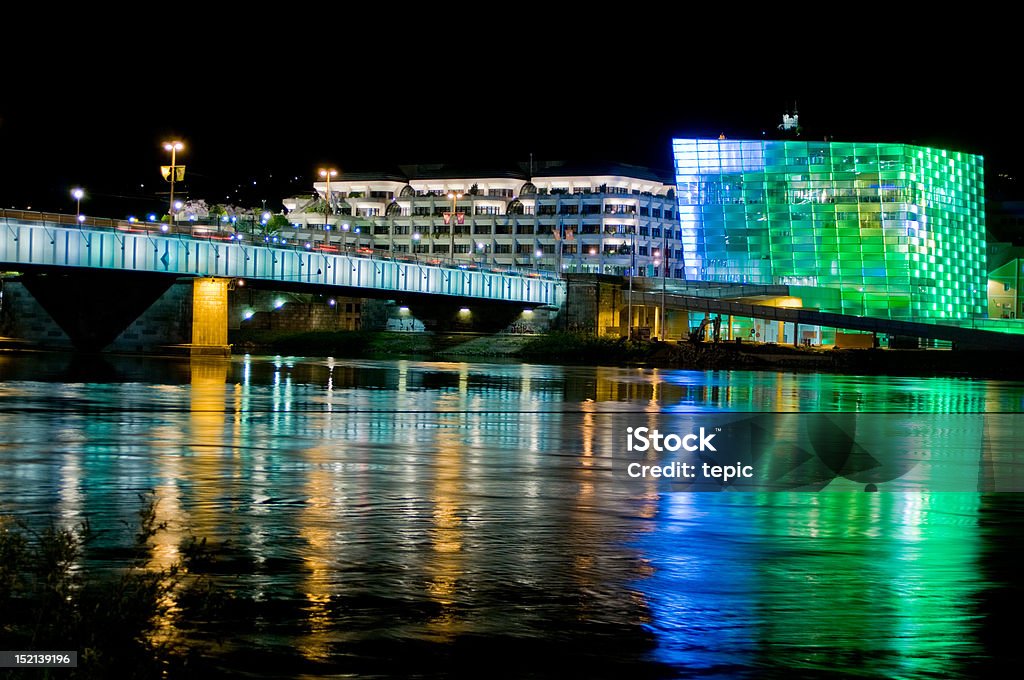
(425, 519)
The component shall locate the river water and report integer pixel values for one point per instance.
(423, 519)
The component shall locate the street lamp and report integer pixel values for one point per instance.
(78, 194)
(174, 147)
(455, 196)
(327, 173)
(415, 243)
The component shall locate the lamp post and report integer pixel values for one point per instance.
(327, 173)
(78, 194)
(174, 147)
(415, 243)
(455, 196)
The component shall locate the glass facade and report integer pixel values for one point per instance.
(885, 230)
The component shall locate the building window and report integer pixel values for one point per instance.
(380, 229)
(487, 210)
(569, 209)
(401, 248)
(482, 228)
(461, 248)
(525, 229)
(367, 212)
(620, 209)
(440, 247)
(502, 248)
(421, 211)
(421, 248)
(645, 211)
(503, 229)
(500, 193)
(644, 231)
(545, 210)
(591, 229)
(524, 248)
(400, 229)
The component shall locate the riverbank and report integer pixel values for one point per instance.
(568, 348)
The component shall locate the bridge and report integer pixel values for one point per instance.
(47, 240)
(51, 242)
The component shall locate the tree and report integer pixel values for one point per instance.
(275, 224)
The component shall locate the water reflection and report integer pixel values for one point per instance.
(368, 506)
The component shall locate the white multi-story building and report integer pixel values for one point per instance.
(594, 219)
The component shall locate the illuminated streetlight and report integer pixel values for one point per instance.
(174, 147)
(328, 173)
(78, 194)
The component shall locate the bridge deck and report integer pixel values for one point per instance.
(809, 317)
(123, 246)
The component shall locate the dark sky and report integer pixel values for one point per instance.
(274, 117)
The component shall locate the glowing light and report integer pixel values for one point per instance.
(164, 227)
(403, 310)
(266, 215)
(527, 312)
(464, 310)
(77, 194)
(81, 218)
(278, 303)
(178, 205)
(248, 314)
(173, 146)
(332, 302)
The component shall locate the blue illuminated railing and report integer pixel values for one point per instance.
(60, 241)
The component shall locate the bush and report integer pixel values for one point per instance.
(121, 625)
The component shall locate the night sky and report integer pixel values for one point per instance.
(256, 128)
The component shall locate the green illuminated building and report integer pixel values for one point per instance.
(886, 230)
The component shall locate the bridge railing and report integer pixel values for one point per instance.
(204, 232)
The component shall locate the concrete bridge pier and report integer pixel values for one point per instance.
(210, 317)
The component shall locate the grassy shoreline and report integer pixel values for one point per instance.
(571, 348)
